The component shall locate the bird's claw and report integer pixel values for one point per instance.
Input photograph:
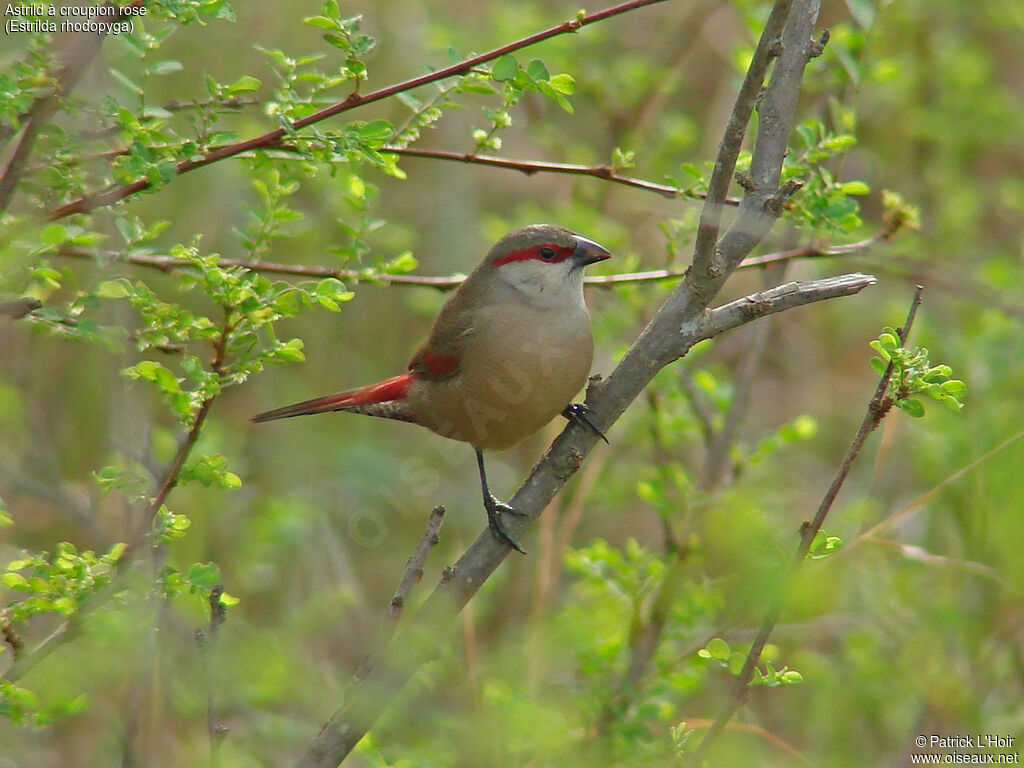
(578, 413)
(495, 509)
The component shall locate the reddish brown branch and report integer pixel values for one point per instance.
(530, 167)
(450, 282)
(355, 99)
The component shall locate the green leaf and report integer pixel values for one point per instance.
(322, 22)
(537, 71)
(244, 84)
(204, 575)
(402, 264)
(505, 68)
(338, 41)
(125, 81)
(954, 388)
(563, 84)
(53, 234)
(376, 131)
(112, 289)
(166, 67)
(855, 188)
(291, 352)
(14, 581)
(717, 648)
(911, 407)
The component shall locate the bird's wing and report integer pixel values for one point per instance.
(441, 355)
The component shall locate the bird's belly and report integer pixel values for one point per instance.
(506, 391)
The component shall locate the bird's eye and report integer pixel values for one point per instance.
(546, 253)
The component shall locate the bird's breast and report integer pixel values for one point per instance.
(520, 366)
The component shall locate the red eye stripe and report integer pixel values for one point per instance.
(562, 252)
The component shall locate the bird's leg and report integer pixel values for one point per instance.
(494, 509)
(577, 412)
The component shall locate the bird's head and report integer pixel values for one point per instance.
(545, 263)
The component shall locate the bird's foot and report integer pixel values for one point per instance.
(578, 413)
(495, 509)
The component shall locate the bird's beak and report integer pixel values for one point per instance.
(587, 252)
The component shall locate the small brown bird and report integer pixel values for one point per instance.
(506, 354)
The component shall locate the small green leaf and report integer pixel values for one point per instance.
(855, 188)
(717, 648)
(536, 70)
(954, 388)
(321, 22)
(505, 68)
(244, 84)
(911, 407)
(291, 352)
(112, 289)
(563, 84)
(402, 264)
(123, 79)
(14, 581)
(376, 131)
(166, 67)
(53, 234)
(204, 575)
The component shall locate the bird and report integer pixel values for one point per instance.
(507, 353)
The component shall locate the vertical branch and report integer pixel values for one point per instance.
(207, 642)
(732, 140)
(877, 409)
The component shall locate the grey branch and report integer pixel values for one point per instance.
(779, 299)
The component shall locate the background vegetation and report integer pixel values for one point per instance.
(657, 563)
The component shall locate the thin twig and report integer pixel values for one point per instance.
(207, 643)
(530, 167)
(877, 409)
(355, 99)
(450, 282)
(414, 567)
(412, 576)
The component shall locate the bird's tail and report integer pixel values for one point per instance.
(385, 399)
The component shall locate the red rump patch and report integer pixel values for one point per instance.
(435, 363)
(562, 252)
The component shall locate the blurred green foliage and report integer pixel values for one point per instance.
(616, 641)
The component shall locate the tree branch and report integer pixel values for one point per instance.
(450, 282)
(530, 167)
(355, 99)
